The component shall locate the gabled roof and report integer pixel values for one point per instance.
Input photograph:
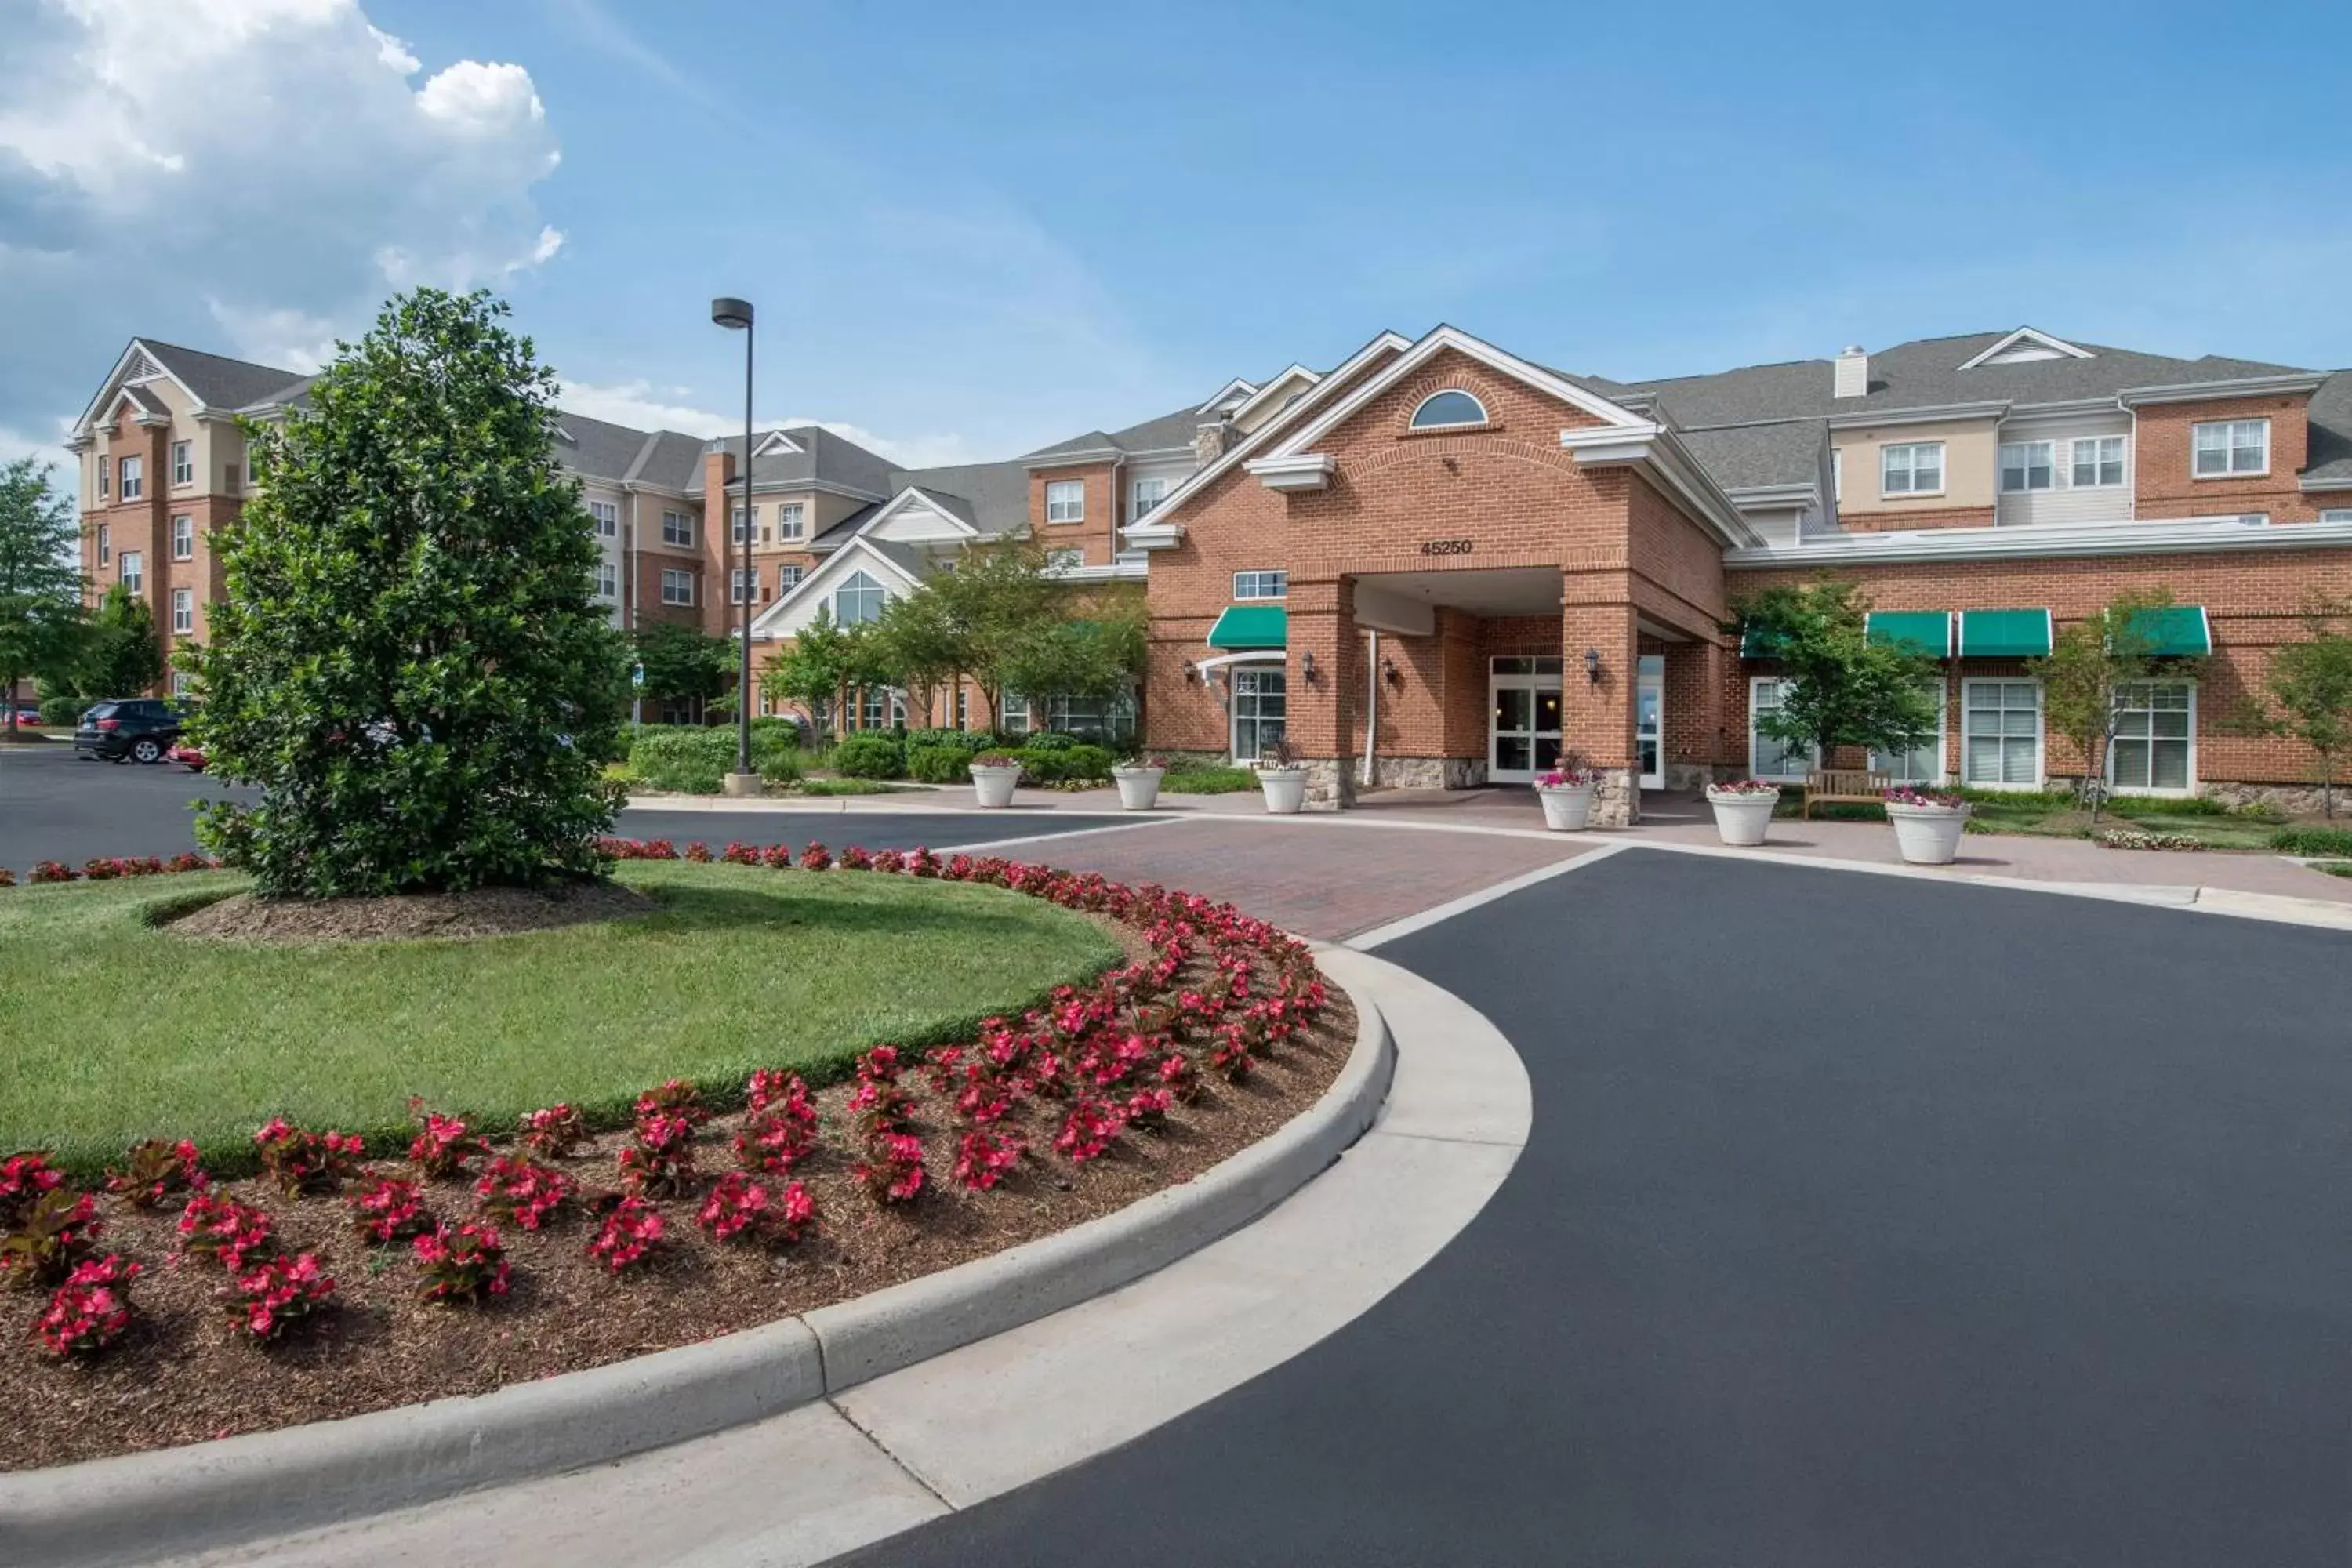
(821, 458)
(1761, 457)
(598, 449)
(2330, 462)
(907, 567)
(995, 495)
(1167, 433)
(217, 382)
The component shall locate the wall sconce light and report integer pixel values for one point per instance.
(1307, 666)
(1592, 665)
(1389, 670)
(1192, 672)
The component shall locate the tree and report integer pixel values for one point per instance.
(1839, 689)
(1095, 653)
(681, 663)
(120, 657)
(822, 660)
(407, 659)
(996, 602)
(2308, 691)
(2090, 663)
(41, 621)
(917, 645)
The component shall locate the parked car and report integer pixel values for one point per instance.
(128, 729)
(27, 715)
(188, 757)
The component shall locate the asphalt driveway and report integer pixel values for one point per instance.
(1864, 1222)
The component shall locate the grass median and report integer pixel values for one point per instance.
(115, 1030)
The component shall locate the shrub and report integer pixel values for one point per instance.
(52, 871)
(7, 878)
(985, 1158)
(61, 711)
(387, 1209)
(1049, 741)
(940, 763)
(892, 1170)
(661, 1160)
(217, 1228)
(1208, 781)
(1089, 1130)
(443, 1148)
(25, 1176)
(740, 1208)
(780, 767)
(675, 1097)
(302, 1162)
(91, 1310)
(155, 1171)
(629, 1235)
(1075, 763)
(2313, 841)
(554, 1131)
(278, 1291)
(518, 1189)
(468, 1263)
(870, 756)
(49, 1237)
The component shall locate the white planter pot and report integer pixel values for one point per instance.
(1742, 818)
(1928, 834)
(1566, 807)
(1286, 789)
(994, 787)
(1139, 788)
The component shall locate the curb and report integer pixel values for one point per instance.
(137, 1507)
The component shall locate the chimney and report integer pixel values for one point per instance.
(1212, 440)
(1852, 372)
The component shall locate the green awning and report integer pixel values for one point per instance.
(2175, 631)
(1929, 631)
(1251, 625)
(1759, 642)
(2004, 633)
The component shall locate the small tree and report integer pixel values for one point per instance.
(681, 663)
(1839, 687)
(1094, 651)
(2091, 665)
(2309, 692)
(917, 645)
(407, 659)
(823, 660)
(41, 620)
(996, 603)
(121, 656)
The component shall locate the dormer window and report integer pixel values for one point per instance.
(1441, 410)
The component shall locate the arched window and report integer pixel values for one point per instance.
(856, 601)
(1440, 409)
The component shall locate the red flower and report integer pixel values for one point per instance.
(386, 1209)
(631, 1232)
(277, 1291)
(468, 1263)
(985, 1158)
(91, 1310)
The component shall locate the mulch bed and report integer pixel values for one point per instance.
(179, 1377)
(481, 912)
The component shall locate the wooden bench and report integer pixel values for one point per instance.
(1843, 786)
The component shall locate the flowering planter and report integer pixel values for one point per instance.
(1286, 789)
(1928, 834)
(994, 787)
(1742, 815)
(1139, 788)
(1566, 807)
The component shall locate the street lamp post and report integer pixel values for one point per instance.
(735, 315)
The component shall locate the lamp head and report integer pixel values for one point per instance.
(735, 315)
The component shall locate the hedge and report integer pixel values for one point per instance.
(2313, 841)
(870, 756)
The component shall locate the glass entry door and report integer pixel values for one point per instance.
(1261, 706)
(1650, 721)
(1523, 725)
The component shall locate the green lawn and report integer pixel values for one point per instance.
(112, 1031)
(2060, 815)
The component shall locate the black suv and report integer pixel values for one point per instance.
(131, 729)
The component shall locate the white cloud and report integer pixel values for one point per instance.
(641, 405)
(269, 169)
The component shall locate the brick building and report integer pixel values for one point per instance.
(1441, 563)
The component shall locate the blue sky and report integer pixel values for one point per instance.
(975, 228)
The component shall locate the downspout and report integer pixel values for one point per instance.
(1371, 705)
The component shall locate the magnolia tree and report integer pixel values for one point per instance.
(1838, 688)
(2091, 666)
(41, 625)
(407, 659)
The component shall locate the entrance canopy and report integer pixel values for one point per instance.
(1243, 627)
(1406, 602)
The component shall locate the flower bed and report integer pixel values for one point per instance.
(187, 1307)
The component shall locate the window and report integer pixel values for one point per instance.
(2027, 465)
(963, 707)
(1065, 560)
(1923, 763)
(880, 708)
(184, 610)
(133, 478)
(1096, 718)
(1913, 468)
(1149, 493)
(677, 528)
(179, 683)
(1065, 500)
(742, 585)
(2222, 448)
(681, 709)
(2154, 746)
(1013, 713)
(133, 570)
(1837, 473)
(2098, 462)
(183, 539)
(1261, 584)
(677, 587)
(608, 515)
(105, 546)
(2337, 514)
(791, 520)
(857, 600)
(1769, 758)
(2001, 734)
(105, 477)
(1260, 707)
(1440, 409)
(742, 527)
(608, 580)
(183, 463)
(788, 578)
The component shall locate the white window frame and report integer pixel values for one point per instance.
(131, 477)
(1012, 712)
(2232, 429)
(184, 610)
(676, 587)
(2337, 514)
(1145, 495)
(131, 569)
(1910, 469)
(2098, 446)
(678, 529)
(788, 577)
(1256, 718)
(184, 538)
(181, 681)
(183, 463)
(608, 580)
(1756, 683)
(741, 585)
(745, 520)
(1065, 500)
(1263, 582)
(792, 520)
(852, 585)
(607, 518)
(1067, 559)
(105, 477)
(2025, 466)
(2041, 735)
(105, 544)
(1417, 423)
(2170, 792)
(1942, 743)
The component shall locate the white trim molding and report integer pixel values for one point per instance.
(1435, 342)
(1289, 473)
(2026, 542)
(1941, 413)
(1153, 535)
(2213, 390)
(1660, 449)
(2059, 348)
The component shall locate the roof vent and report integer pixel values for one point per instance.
(1852, 372)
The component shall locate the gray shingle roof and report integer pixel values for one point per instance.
(823, 458)
(220, 382)
(997, 494)
(1744, 457)
(2331, 429)
(598, 449)
(1164, 433)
